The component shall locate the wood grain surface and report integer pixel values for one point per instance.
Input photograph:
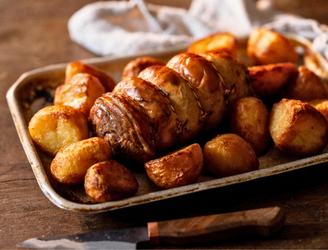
(33, 34)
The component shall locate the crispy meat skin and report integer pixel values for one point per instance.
(122, 123)
(207, 84)
(234, 73)
(182, 98)
(156, 106)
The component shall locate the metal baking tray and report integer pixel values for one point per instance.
(35, 89)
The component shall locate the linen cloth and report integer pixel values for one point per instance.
(127, 27)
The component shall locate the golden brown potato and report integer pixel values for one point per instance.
(134, 67)
(215, 42)
(229, 154)
(268, 47)
(269, 80)
(307, 86)
(250, 120)
(74, 68)
(321, 105)
(178, 168)
(72, 162)
(156, 105)
(109, 181)
(234, 73)
(54, 127)
(80, 92)
(207, 84)
(297, 128)
(181, 96)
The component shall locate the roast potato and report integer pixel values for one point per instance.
(297, 128)
(76, 67)
(265, 46)
(109, 181)
(80, 92)
(250, 120)
(54, 127)
(134, 67)
(307, 86)
(321, 105)
(269, 80)
(72, 162)
(216, 42)
(229, 154)
(178, 168)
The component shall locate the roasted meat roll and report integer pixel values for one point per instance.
(164, 106)
(122, 122)
(157, 107)
(182, 98)
(206, 82)
(234, 74)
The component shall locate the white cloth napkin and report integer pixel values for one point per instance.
(126, 27)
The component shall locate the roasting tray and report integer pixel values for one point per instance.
(35, 89)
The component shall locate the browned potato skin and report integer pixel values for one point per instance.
(109, 181)
(54, 127)
(269, 80)
(76, 67)
(250, 120)
(134, 67)
(234, 74)
(268, 47)
(207, 83)
(321, 105)
(80, 92)
(178, 168)
(72, 162)
(215, 42)
(181, 96)
(307, 86)
(229, 154)
(297, 128)
(156, 106)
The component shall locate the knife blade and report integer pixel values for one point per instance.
(261, 222)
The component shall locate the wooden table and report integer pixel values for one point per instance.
(33, 34)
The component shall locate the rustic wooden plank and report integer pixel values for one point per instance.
(35, 35)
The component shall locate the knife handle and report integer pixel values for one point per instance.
(263, 222)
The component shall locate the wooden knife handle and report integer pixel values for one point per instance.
(263, 222)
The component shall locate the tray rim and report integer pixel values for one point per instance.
(56, 199)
